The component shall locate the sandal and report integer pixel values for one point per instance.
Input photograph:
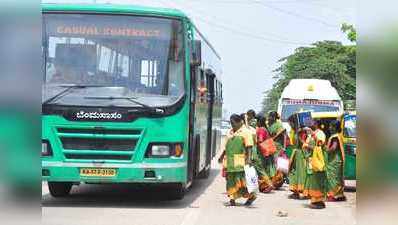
(341, 199)
(232, 202)
(250, 200)
(331, 199)
(317, 205)
(294, 196)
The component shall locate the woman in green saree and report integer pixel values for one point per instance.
(260, 162)
(297, 166)
(277, 132)
(238, 154)
(257, 126)
(335, 164)
(315, 185)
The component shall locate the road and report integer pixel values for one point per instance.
(204, 204)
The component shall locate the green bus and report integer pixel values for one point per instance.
(130, 94)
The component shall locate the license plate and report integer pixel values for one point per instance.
(87, 172)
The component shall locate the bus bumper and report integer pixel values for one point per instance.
(125, 173)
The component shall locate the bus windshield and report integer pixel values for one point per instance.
(131, 56)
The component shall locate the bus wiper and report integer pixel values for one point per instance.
(131, 99)
(66, 91)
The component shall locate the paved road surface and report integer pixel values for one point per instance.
(203, 205)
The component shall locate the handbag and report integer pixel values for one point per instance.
(267, 147)
(251, 179)
(317, 161)
(282, 164)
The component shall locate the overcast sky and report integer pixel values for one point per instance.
(252, 35)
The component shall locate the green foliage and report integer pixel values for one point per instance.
(329, 60)
(350, 31)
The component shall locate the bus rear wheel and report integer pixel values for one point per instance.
(177, 192)
(59, 189)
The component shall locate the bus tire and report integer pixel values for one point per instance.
(59, 189)
(178, 192)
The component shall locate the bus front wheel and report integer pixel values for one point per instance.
(59, 189)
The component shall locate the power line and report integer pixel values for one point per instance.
(245, 34)
(241, 32)
(296, 14)
(267, 4)
(316, 3)
(247, 30)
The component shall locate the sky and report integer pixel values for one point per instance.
(252, 35)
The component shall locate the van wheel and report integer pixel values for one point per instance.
(177, 192)
(59, 189)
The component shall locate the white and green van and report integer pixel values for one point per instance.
(313, 95)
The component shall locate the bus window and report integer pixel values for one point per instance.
(202, 89)
(218, 92)
(220, 89)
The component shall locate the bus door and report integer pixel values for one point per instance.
(210, 102)
(192, 166)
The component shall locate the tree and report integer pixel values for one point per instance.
(350, 31)
(328, 60)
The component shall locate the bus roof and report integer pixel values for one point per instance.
(114, 8)
(310, 89)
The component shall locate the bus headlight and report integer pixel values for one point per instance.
(160, 150)
(164, 150)
(45, 148)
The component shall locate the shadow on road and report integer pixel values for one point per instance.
(128, 196)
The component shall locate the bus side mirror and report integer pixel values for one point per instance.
(196, 56)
